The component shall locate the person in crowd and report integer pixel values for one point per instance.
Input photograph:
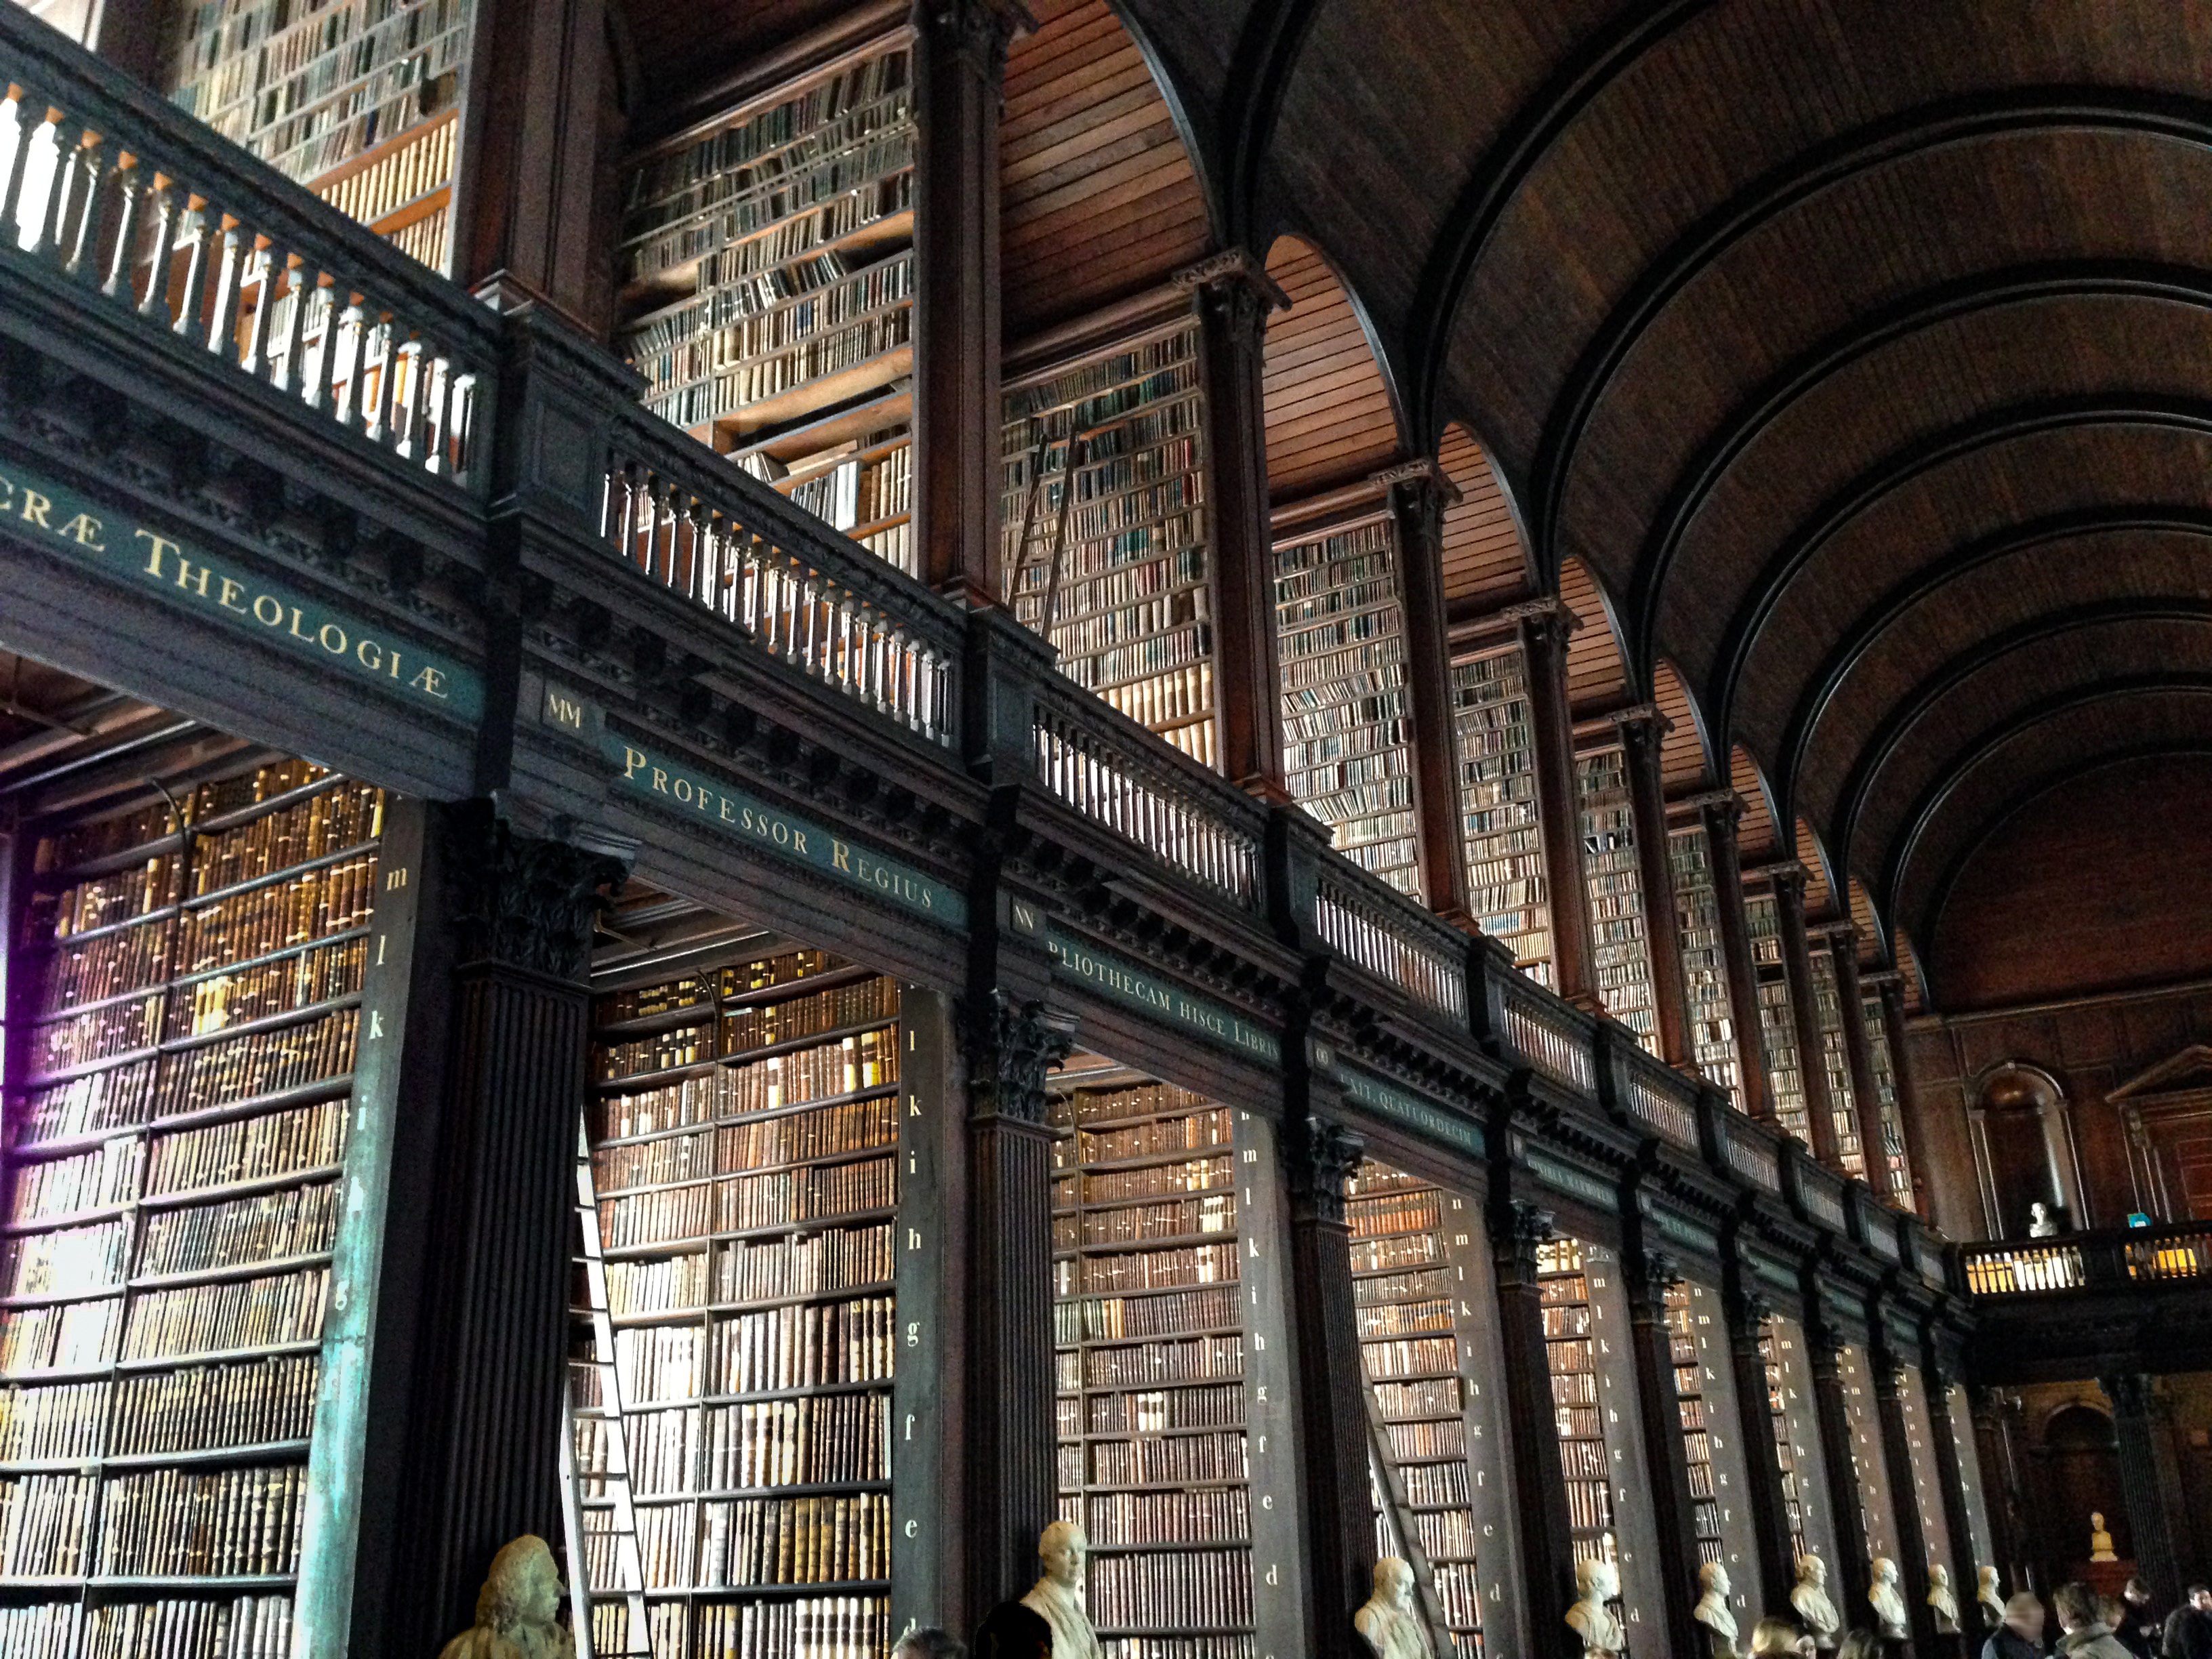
(2188, 1633)
(2087, 1635)
(1859, 1643)
(2138, 1626)
(2020, 1635)
(930, 1643)
(1779, 1638)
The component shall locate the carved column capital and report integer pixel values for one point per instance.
(1233, 288)
(1655, 1273)
(1010, 1049)
(1753, 1311)
(1787, 878)
(2132, 1393)
(525, 900)
(977, 34)
(1320, 1157)
(1527, 1227)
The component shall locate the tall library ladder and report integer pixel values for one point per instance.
(606, 1555)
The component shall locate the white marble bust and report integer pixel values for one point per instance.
(1809, 1600)
(1712, 1611)
(1596, 1582)
(1991, 1598)
(1889, 1615)
(1387, 1622)
(1943, 1599)
(1057, 1598)
(519, 1609)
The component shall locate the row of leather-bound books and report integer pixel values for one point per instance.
(194, 1628)
(755, 1270)
(239, 1403)
(754, 1542)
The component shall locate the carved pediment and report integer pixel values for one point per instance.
(2182, 1081)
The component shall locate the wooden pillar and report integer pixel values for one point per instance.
(2150, 1480)
(1904, 1498)
(1843, 952)
(1892, 992)
(1540, 1488)
(528, 221)
(1418, 496)
(1993, 1450)
(1958, 1524)
(960, 63)
(1747, 1313)
(1319, 1158)
(1642, 731)
(1824, 1349)
(1805, 1013)
(1544, 628)
(1233, 294)
(1010, 1477)
(1721, 813)
(1666, 1459)
(484, 1200)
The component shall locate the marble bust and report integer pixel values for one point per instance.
(2101, 1542)
(1057, 1598)
(1596, 1582)
(1712, 1613)
(1942, 1597)
(1990, 1597)
(1889, 1615)
(1387, 1621)
(518, 1609)
(1809, 1600)
(2039, 1222)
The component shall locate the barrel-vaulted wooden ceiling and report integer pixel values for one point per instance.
(1862, 349)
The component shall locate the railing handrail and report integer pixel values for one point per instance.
(1660, 1098)
(129, 114)
(1408, 925)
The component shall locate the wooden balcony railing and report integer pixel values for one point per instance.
(154, 227)
(2171, 1253)
(1371, 925)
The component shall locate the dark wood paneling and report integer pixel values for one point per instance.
(1597, 679)
(1683, 760)
(1485, 563)
(1097, 197)
(1755, 838)
(1329, 419)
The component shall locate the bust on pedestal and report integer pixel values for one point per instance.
(1049, 1622)
(519, 1609)
(1712, 1613)
(1809, 1600)
(1387, 1621)
(1890, 1618)
(1990, 1597)
(1596, 1582)
(1940, 1598)
(2101, 1542)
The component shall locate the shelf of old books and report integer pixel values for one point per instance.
(1347, 726)
(1103, 526)
(185, 988)
(1495, 744)
(1797, 1438)
(1586, 1341)
(1869, 1470)
(1895, 1173)
(1168, 1328)
(766, 260)
(1973, 1486)
(360, 101)
(1623, 949)
(1777, 1024)
(744, 1138)
(1705, 973)
(1927, 1481)
(1704, 1387)
(1836, 1062)
(1412, 1245)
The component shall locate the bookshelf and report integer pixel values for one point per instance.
(358, 100)
(1104, 531)
(766, 261)
(1895, 1173)
(1165, 1302)
(1869, 1472)
(1623, 959)
(1427, 1401)
(1578, 1403)
(1347, 723)
(1719, 1471)
(1927, 1483)
(1836, 1061)
(1495, 742)
(186, 989)
(744, 1129)
(1796, 1438)
(1705, 973)
(1777, 1024)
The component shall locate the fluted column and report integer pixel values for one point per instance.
(1866, 1103)
(1642, 729)
(1805, 1014)
(1544, 628)
(1539, 1486)
(1824, 1349)
(1958, 1524)
(1666, 1459)
(1748, 1314)
(1319, 1158)
(1722, 813)
(960, 63)
(1418, 496)
(1904, 1497)
(484, 1200)
(1233, 294)
(1010, 1476)
(1993, 1451)
(2150, 1478)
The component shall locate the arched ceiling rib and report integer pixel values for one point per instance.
(1330, 419)
(1864, 354)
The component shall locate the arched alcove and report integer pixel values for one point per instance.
(1331, 419)
(2023, 1137)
